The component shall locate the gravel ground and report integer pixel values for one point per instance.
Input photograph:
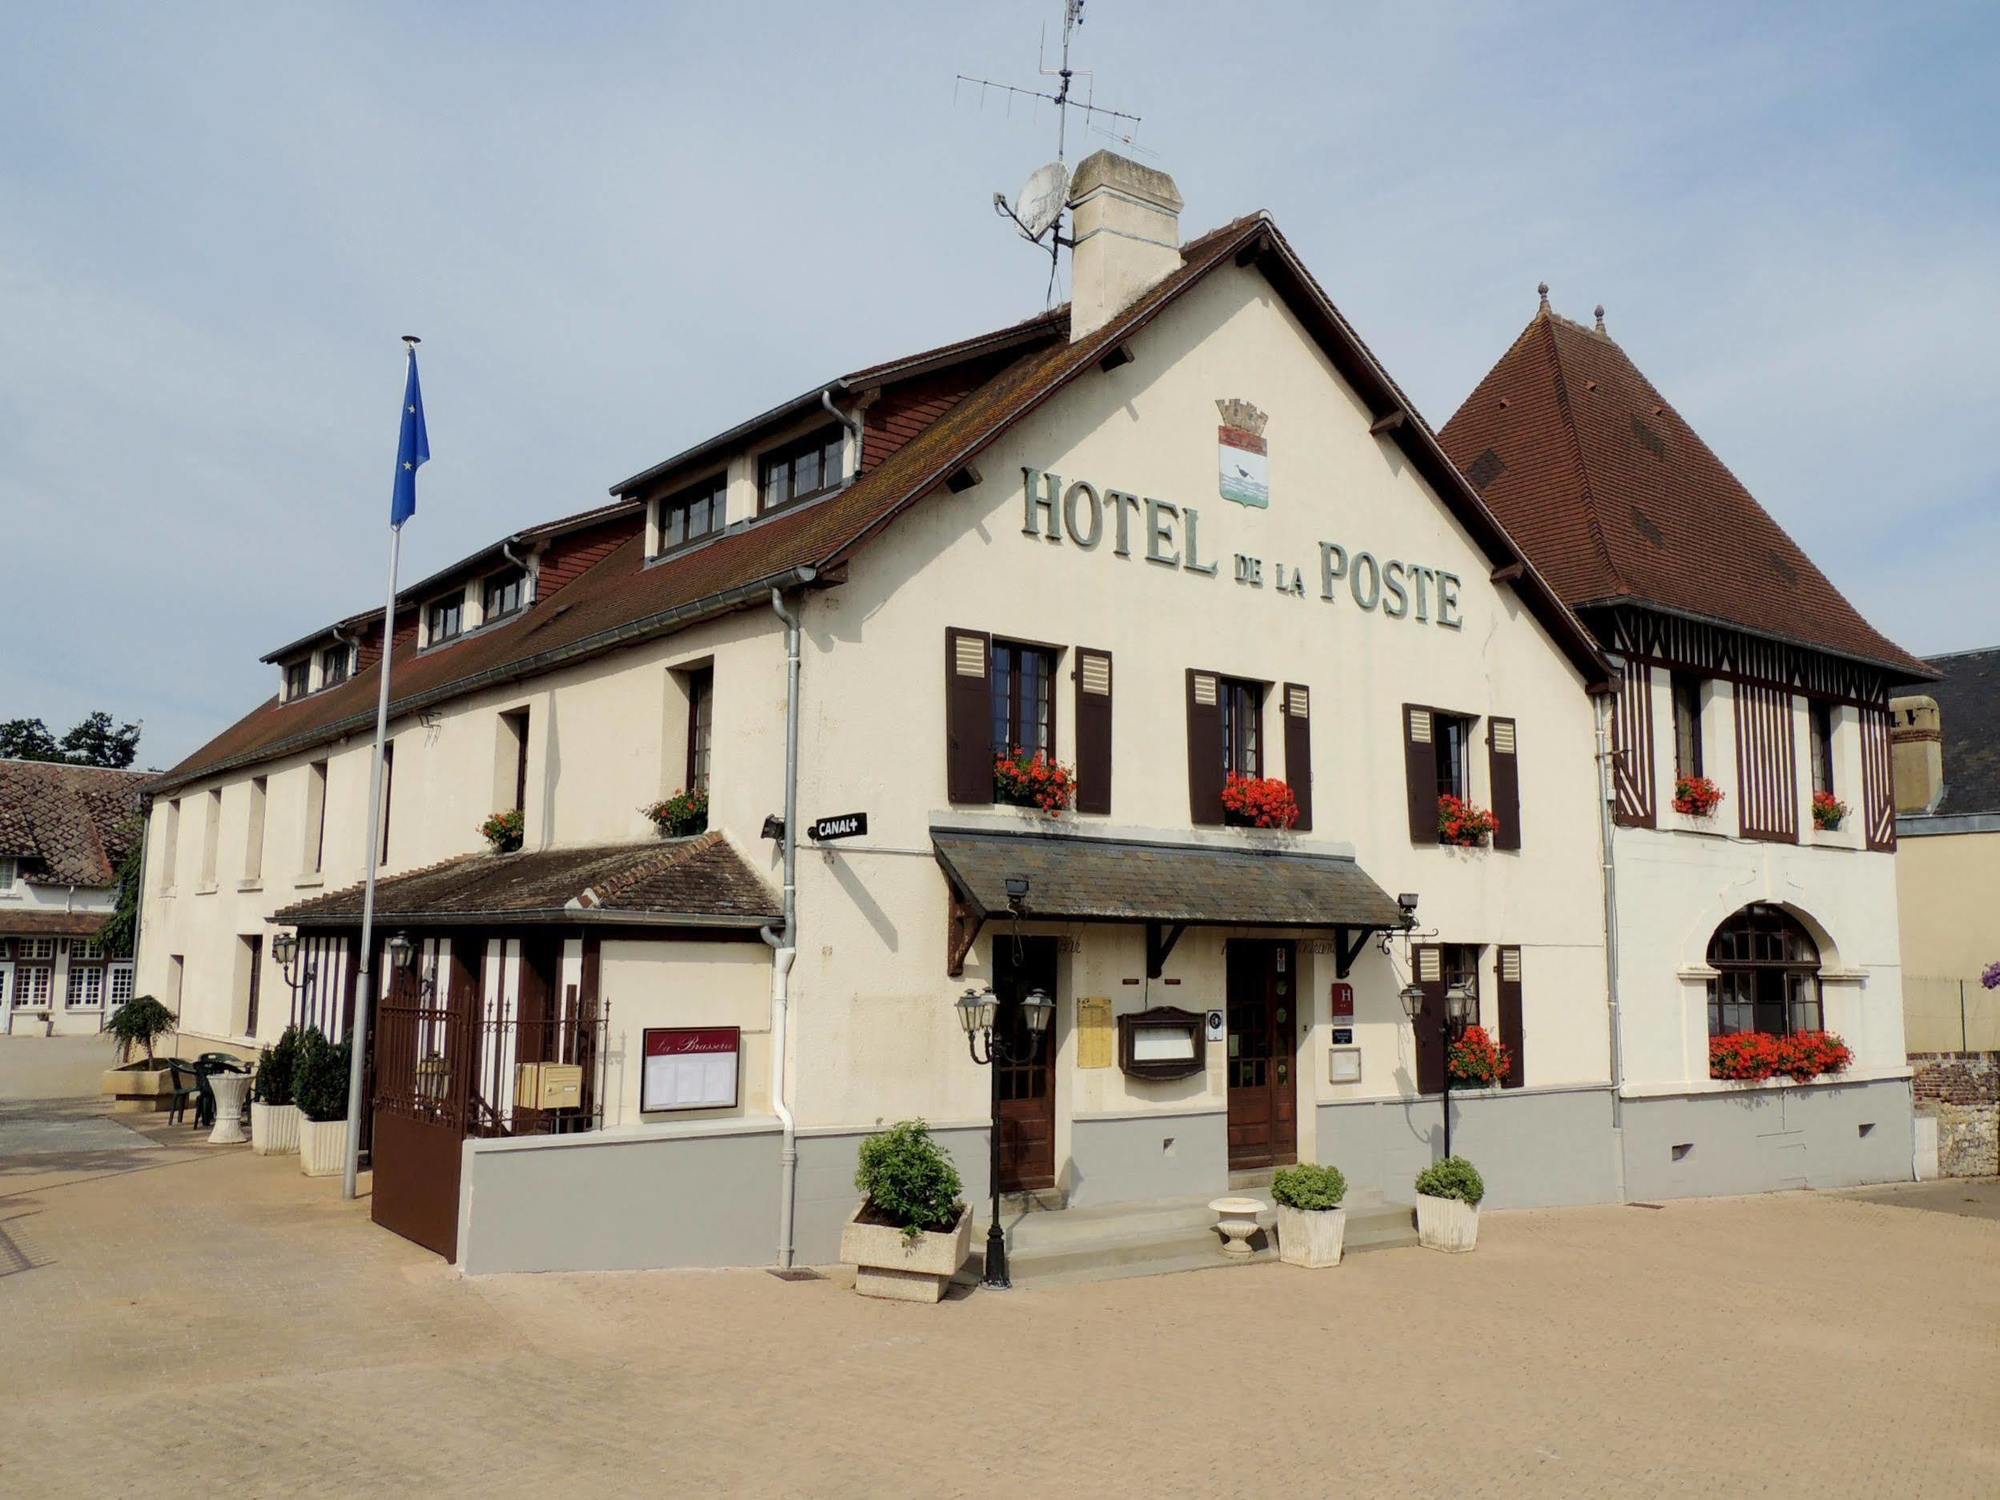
(194, 1320)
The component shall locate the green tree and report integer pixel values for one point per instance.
(95, 741)
(27, 739)
(121, 928)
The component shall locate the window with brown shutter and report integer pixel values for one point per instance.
(1508, 992)
(968, 753)
(1093, 731)
(1504, 778)
(1297, 709)
(1428, 960)
(1420, 772)
(1206, 752)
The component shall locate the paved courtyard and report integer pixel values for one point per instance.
(188, 1320)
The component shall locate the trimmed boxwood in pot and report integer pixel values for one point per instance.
(1308, 1188)
(1448, 1194)
(276, 1066)
(319, 1079)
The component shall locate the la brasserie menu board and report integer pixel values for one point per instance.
(690, 1068)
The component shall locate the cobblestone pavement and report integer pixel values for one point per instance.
(196, 1320)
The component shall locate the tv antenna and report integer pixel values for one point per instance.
(1037, 209)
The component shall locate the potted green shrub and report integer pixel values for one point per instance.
(911, 1232)
(1311, 1223)
(146, 1084)
(1448, 1194)
(319, 1088)
(274, 1118)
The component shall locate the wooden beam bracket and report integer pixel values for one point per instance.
(1388, 423)
(1349, 941)
(1119, 354)
(1508, 572)
(962, 926)
(1160, 940)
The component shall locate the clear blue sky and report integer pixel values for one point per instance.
(620, 228)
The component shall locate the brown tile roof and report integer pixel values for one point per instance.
(33, 923)
(1615, 497)
(622, 599)
(68, 825)
(699, 881)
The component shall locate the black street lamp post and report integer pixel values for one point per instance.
(977, 1010)
(1452, 1021)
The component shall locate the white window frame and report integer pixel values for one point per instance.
(8, 874)
(30, 996)
(88, 978)
(118, 976)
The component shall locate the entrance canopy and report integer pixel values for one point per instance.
(1169, 887)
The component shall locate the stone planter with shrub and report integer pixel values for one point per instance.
(1311, 1223)
(1448, 1194)
(911, 1233)
(274, 1118)
(319, 1088)
(149, 1083)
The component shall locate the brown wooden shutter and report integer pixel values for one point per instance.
(1093, 730)
(1504, 776)
(1509, 990)
(1297, 711)
(968, 716)
(1420, 770)
(1204, 734)
(1429, 961)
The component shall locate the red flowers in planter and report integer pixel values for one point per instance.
(1695, 796)
(503, 830)
(1477, 1059)
(1459, 822)
(1752, 1056)
(1037, 780)
(1828, 810)
(1259, 801)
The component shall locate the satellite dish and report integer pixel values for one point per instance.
(1041, 201)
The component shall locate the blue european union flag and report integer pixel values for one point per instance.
(412, 451)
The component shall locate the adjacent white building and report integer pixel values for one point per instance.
(1184, 540)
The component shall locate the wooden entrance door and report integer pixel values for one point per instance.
(1024, 1094)
(1263, 1005)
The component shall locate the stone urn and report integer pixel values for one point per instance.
(322, 1147)
(274, 1129)
(1311, 1237)
(887, 1263)
(1449, 1224)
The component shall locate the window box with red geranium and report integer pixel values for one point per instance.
(1038, 780)
(682, 814)
(1696, 796)
(1258, 802)
(1477, 1061)
(1753, 1056)
(1828, 810)
(504, 830)
(1460, 823)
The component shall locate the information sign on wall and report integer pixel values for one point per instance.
(1343, 1001)
(1094, 1032)
(690, 1068)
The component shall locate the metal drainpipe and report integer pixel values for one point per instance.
(853, 426)
(785, 948)
(1604, 802)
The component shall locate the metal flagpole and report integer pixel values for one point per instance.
(357, 1035)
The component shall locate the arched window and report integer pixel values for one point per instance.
(1767, 975)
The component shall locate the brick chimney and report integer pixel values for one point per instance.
(1127, 229)
(1916, 740)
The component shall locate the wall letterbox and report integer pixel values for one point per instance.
(1161, 1043)
(548, 1086)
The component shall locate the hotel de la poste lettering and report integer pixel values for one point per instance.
(1360, 723)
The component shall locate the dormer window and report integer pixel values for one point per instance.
(799, 470)
(696, 512)
(333, 664)
(446, 619)
(503, 594)
(298, 679)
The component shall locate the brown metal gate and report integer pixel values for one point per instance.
(447, 1066)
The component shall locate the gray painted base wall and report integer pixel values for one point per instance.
(1142, 1158)
(1763, 1140)
(1535, 1148)
(571, 1203)
(826, 1195)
